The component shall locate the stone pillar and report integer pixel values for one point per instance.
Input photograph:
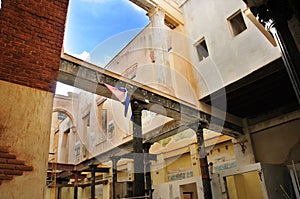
(160, 50)
(148, 170)
(114, 175)
(139, 181)
(203, 164)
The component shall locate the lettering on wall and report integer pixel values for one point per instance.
(180, 175)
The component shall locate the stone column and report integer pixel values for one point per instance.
(139, 181)
(160, 50)
(203, 164)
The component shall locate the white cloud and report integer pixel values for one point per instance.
(84, 56)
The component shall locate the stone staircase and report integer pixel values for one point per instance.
(10, 166)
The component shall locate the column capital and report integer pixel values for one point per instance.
(154, 11)
(115, 158)
(270, 10)
(147, 147)
(136, 106)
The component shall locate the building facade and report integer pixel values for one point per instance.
(220, 56)
(212, 55)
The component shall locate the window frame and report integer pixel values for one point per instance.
(233, 21)
(199, 53)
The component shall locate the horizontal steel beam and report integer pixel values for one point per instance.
(83, 185)
(132, 156)
(91, 78)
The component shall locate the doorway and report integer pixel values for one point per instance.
(189, 191)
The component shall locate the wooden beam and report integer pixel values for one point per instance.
(61, 166)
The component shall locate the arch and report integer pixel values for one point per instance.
(68, 114)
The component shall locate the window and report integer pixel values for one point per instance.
(86, 119)
(237, 23)
(104, 120)
(202, 50)
(170, 22)
(61, 116)
(77, 151)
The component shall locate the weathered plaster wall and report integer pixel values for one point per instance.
(274, 141)
(25, 118)
(171, 190)
(162, 60)
(225, 63)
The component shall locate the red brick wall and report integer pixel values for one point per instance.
(31, 37)
(10, 166)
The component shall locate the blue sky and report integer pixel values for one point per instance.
(96, 30)
(90, 23)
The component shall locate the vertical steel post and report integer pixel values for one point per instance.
(148, 171)
(290, 54)
(114, 175)
(274, 14)
(75, 184)
(139, 181)
(203, 164)
(93, 179)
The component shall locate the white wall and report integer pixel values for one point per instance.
(230, 58)
(171, 190)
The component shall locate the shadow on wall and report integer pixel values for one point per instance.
(294, 154)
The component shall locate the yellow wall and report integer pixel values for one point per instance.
(222, 155)
(182, 162)
(25, 119)
(246, 186)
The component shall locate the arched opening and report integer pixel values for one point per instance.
(62, 136)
